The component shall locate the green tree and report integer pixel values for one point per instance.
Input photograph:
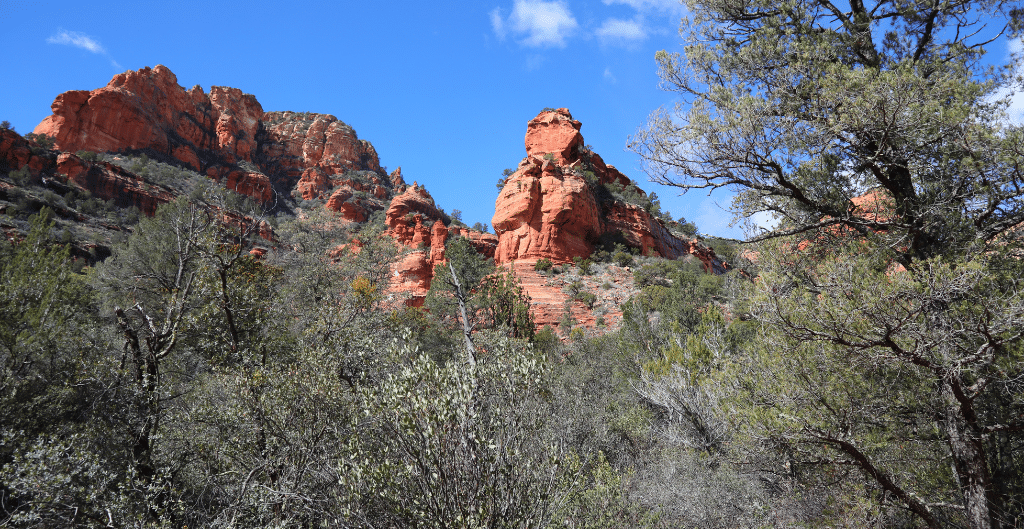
(154, 287)
(871, 131)
(493, 298)
(459, 444)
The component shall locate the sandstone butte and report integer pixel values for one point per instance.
(547, 209)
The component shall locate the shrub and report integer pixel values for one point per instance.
(622, 258)
(41, 141)
(543, 264)
(601, 256)
(88, 156)
(588, 299)
(22, 177)
(6, 125)
(606, 286)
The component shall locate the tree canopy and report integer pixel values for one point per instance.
(890, 298)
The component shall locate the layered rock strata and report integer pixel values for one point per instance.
(551, 207)
(224, 134)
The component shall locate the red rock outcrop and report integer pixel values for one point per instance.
(547, 208)
(556, 133)
(16, 152)
(104, 180)
(296, 141)
(415, 223)
(546, 212)
(147, 109)
(111, 182)
(212, 133)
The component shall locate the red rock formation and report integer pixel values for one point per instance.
(556, 133)
(296, 141)
(415, 223)
(147, 110)
(546, 209)
(251, 183)
(16, 152)
(111, 182)
(104, 180)
(549, 296)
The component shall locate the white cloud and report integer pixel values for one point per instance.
(1014, 93)
(645, 6)
(536, 23)
(615, 29)
(609, 76)
(497, 23)
(79, 40)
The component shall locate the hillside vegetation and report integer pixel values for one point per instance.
(219, 361)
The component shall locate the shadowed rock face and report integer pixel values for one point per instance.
(548, 210)
(104, 180)
(211, 133)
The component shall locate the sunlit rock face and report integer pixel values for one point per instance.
(214, 133)
(547, 209)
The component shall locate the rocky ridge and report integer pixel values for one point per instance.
(556, 205)
(224, 134)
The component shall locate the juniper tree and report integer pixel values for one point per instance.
(874, 134)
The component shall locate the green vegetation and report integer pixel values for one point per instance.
(887, 365)
(867, 371)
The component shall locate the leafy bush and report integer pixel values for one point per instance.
(584, 265)
(622, 258)
(88, 156)
(588, 299)
(543, 264)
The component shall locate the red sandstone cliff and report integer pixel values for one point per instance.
(550, 207)
(547, 208)
(211, 133)
(416, 224)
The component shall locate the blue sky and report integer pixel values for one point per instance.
(442, 89)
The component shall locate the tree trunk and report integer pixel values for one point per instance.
(970, 462)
